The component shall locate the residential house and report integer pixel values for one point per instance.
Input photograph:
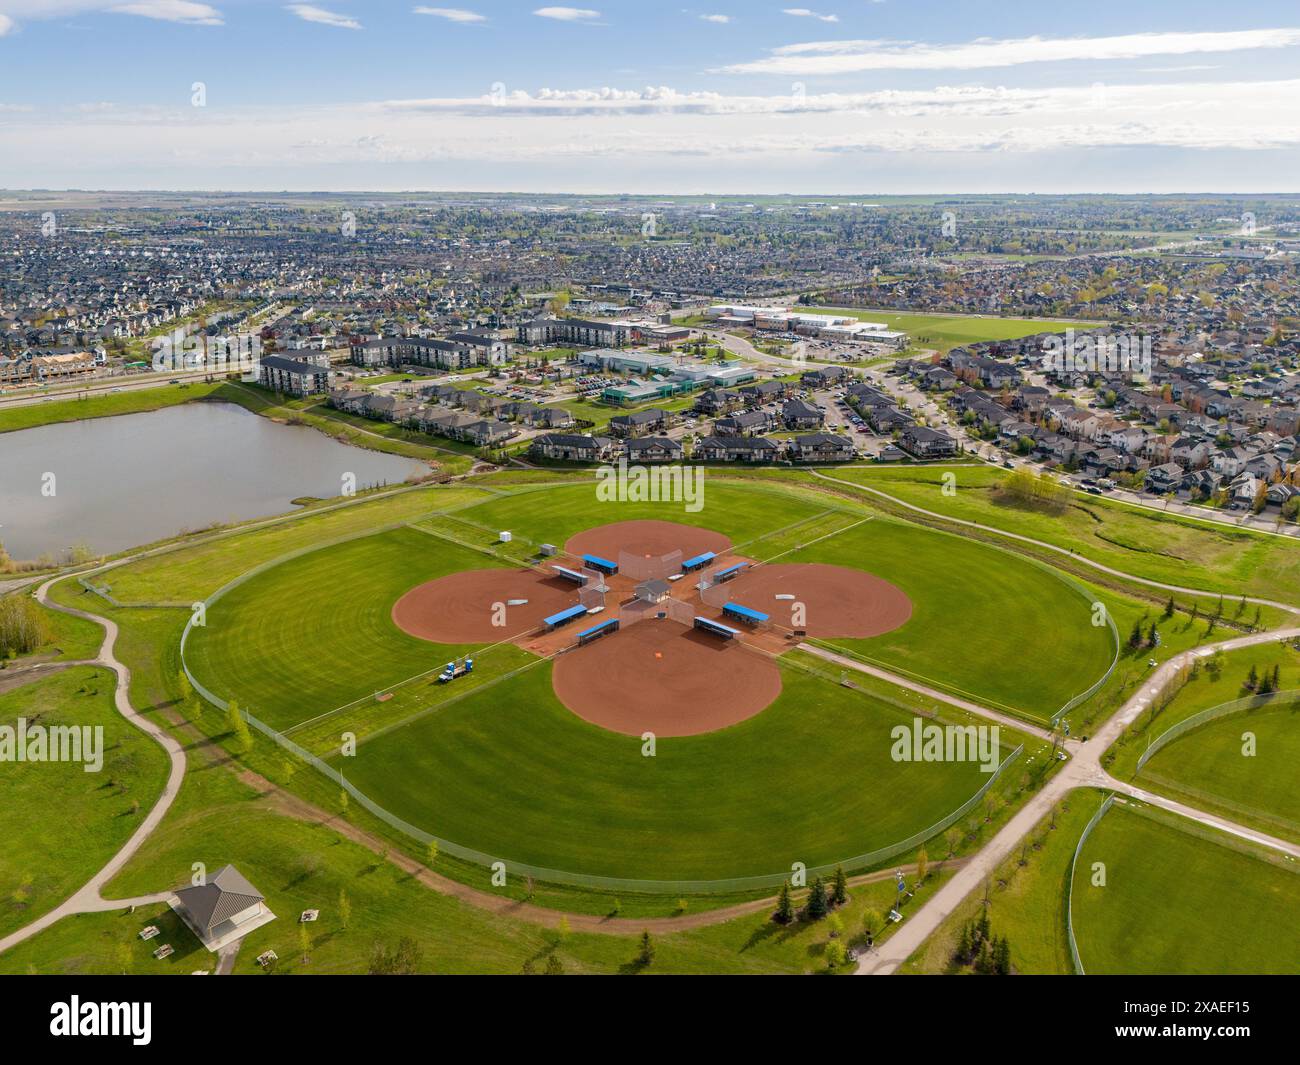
(822, 447)
(736, 449)
(654, 449)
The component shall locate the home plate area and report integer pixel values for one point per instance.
(655, 626)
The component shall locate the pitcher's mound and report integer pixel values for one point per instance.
(661, 677)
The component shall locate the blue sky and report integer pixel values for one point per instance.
(860, 96)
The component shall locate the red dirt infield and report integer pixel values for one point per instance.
(653, 538)
(838, 601)
(662, 677)
(458, 608)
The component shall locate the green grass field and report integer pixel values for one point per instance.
(810, 779)
(1210, 768)
(943, 332)
(73, 820)
(194, 571)
(296, 865)
(1026, 898)
(975, 610)
(1181, 900)
(62, 408)
(1145, 543)
(316, 632)
(1216, 680)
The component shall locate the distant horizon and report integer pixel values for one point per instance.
(630, 98)
(922, 194)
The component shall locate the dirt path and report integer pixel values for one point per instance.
(16, 677)
(289, 805)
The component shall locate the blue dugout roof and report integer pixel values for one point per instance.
(566, 615)
(744, 612)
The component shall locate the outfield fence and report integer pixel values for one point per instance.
(1075, 960)
(1214, 713)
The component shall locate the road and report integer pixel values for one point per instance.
(99, 386)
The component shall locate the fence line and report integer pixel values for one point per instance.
(1181, 728)
(1069, 899)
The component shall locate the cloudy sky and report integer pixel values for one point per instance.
(860, 96)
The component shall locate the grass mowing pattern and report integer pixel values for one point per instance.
(985, 623)
(1182, 902)
(513, 772)
(1208, 767)
(316, 632)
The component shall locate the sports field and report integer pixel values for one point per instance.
(495, 760)
(1182, 900)
(316, 631)
(513, 773)
(1243, 764)
(943, 332)
(985, 623)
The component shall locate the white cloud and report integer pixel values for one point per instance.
(567, 14)
(720, 19)
(452, 14)
(847, 57)
(312, 13)
(803, 12)
(611, 138)
(183, 11)
(6, 24)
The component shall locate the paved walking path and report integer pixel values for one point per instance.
(88, 899)
(1082, 771)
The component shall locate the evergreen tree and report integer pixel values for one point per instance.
(966, 944)
(1252, 681)
(840, 893)
(646, 955)
(1135, 637)
(553, 966)
(784, 907)
(1002, 957)
(1169, 608)
(817, 904)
